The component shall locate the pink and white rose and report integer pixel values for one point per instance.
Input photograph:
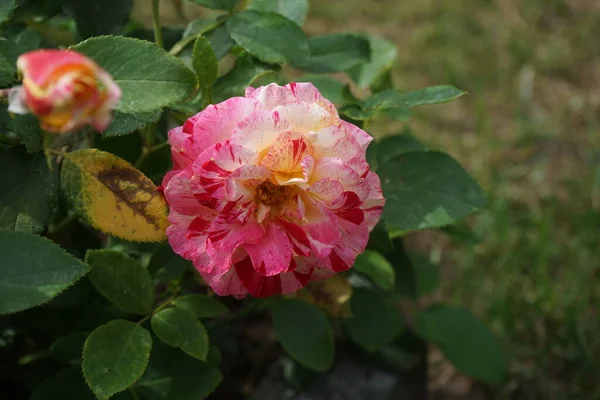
(270, 191)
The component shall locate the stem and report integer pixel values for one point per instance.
(156, 23)
(208, 96)
(134, 394)
(157, 309)
(63, 224)
(146, 153)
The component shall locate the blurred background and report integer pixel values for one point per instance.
(529, 131)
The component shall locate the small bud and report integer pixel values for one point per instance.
(65, 90)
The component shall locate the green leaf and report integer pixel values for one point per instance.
(375, 322)
(33, 270)
(246, 70)
(25, 127)
(99, 17)
(431, 95)
(379, 239)
(270, 37)
(202, 306)
(427, 190)
(198, 27)
(295, 10)
(205, 63)
(390, 147)
(464, 340)
(217, 4)
(68, 384)
(336, 52)
(377, 268)
(220, 41)
(304, 333)
(392, 98)
(330, 88)
(383, 54)
(8, 57)
(427, 275)
(29, 190)
(180, 328)
(123, 123)
(357, 113)
(121, 280)
(172, 374)
(69, 348)
(6, 9)
(115, 356)
(148, 76)
(166, 266)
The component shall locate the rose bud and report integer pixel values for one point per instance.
(65, 90)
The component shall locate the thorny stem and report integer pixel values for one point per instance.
(156, 23)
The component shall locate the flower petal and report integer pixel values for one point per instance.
(259, 130)
(273, 254)
(216, 122)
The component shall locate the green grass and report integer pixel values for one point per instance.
(529, 132)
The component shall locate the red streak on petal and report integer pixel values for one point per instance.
(337, 264)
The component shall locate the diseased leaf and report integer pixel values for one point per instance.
(202, 306)
(336, 52)
(29, 190)
(121, 280)
(33, 270)
(375, 322)
(376, 267)
(115, 356)
(295, 10)
(99, 17)
(180, 328)
(304, 333)
(148, 76)
(113, 196)
(172, 374)
(464, 340)
(427, 190)
(270, 37)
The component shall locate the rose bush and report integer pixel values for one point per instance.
(113, 286)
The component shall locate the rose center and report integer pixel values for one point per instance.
(271, 194)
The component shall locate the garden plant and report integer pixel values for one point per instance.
(161, 188)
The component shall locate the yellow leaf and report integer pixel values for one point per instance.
(113, 196)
